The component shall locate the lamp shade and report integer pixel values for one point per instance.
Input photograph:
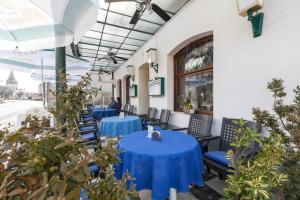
(130, 70)
(152, 56)
(244, 5)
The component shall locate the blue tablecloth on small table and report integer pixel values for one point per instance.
(116, 126)
(174, 162)
(100, 113)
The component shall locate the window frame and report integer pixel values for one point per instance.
(177, 75)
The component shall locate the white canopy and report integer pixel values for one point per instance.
(42, 24)
(31, 62)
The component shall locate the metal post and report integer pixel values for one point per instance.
(43, 86)
(60, 67)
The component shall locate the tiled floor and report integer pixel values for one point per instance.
(196, 192)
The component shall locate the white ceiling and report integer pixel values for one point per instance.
(113, 30)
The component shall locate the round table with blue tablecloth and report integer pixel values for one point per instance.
(116, 126)
(101, 113)
(174, 162)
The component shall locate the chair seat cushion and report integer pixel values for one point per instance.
(89, 136)
(218, 156)
(94, 168)
(87, 128)
(89, 118)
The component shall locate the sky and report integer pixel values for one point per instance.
(23, 78)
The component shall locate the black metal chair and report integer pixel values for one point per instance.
(130, 110)
(86, 116)
(199, 127)
(92, 141)
(162, 122)
(125, 108)
(217, 160)
(149, 117)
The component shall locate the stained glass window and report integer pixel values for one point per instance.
(194, 76)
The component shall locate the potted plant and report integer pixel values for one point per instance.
(262, 177)
(188, 107)
(285, 120)
(257, 176)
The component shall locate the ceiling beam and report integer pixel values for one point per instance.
(111, 41)
(86, 43)
(112, 34)
(100, 51)
(123, 27)
(122, 14)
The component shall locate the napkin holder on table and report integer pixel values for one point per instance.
(121, 115)
(156, 136)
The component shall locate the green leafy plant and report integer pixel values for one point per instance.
(39, 162)
(285, 120)
(71, 102)
(254, 176)
(187, 104)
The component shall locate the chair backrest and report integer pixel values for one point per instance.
(131, 109)
(164, 115)
(89, 107)
(199, 125)
(228, 132)
(152, 112)
(127, 106)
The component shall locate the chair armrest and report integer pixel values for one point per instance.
(180, 129)
(208, 138)
(251, 152)
(148, 119)
(88, 131)
(159, 123)
(202, 137)
(142, 115)
(151, 121)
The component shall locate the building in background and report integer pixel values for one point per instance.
(11, 85)
(11, 82)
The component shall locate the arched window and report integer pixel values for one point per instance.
(193, 75)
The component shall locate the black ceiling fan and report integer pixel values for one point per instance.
(140, 7)
(111, 56)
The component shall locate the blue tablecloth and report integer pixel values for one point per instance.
(100, 113)
(115, 126)
(174, 162)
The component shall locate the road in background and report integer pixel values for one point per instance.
(10, 109)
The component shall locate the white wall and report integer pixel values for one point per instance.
(105, 84)
(143, 91)
(242, 64)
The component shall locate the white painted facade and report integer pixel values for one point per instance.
(106, 85)
(243, 65)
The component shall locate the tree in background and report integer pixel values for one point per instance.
(5, 92)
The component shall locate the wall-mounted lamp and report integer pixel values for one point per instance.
(152, 59)
(248, 8)
(130, 72)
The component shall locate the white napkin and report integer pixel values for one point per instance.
(150, 131)
(121, 115)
